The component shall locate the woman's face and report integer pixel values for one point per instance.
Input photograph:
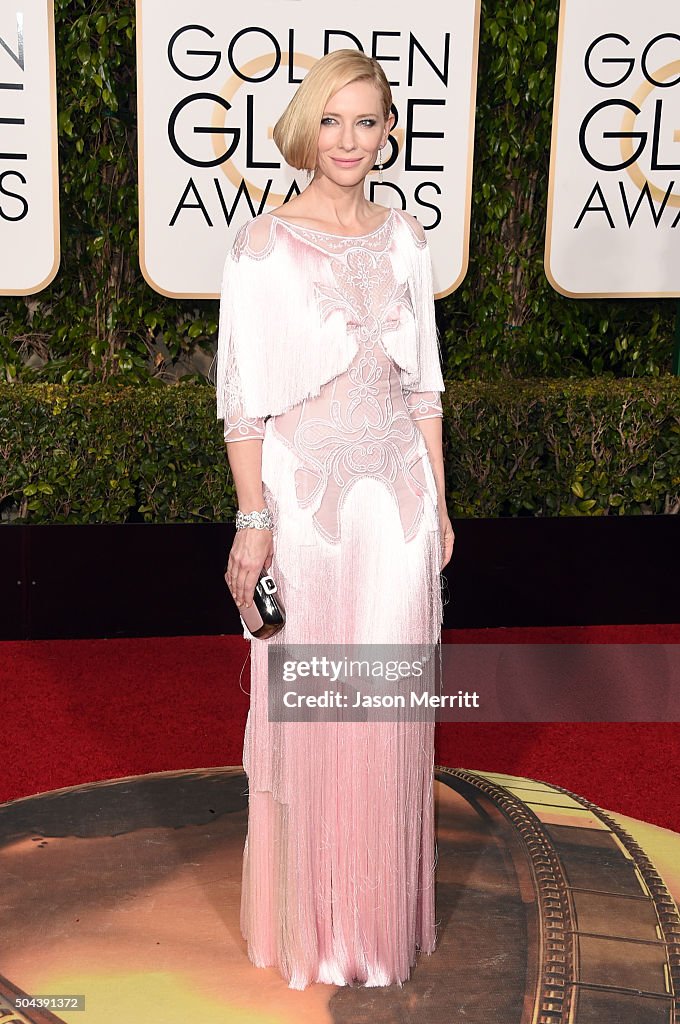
(352, 130)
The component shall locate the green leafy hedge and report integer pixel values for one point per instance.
(101, 454)
(98, 454)
(555, 448)
(100, 322)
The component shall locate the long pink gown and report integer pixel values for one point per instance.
(339, 860)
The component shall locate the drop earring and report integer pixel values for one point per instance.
(380, 166)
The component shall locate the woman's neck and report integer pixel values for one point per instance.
(336, 204)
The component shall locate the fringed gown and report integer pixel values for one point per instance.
(328, 352)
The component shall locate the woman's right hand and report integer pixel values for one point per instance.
(251, 551)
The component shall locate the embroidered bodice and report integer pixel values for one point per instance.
(362, 422)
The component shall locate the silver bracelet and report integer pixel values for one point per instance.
(260, 520)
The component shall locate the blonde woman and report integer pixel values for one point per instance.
(329, 385)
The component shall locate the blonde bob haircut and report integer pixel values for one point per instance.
(296, 133)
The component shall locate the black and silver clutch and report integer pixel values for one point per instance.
(266, 615)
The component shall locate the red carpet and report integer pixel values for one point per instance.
(75, 711)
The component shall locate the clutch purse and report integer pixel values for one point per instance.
(266, 615)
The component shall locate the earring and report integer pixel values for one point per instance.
(380, 166)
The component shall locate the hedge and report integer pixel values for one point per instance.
(97, 453)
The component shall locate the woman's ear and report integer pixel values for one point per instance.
(389, 124)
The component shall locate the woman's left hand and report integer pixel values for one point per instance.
(447, 537)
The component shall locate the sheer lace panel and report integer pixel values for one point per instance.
(362, 422)
(243, 428)
(258, 237)
(376, 240)
(238, 426)
(423, 405)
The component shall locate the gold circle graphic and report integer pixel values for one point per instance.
(628, 125)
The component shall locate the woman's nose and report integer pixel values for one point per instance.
(347, 137)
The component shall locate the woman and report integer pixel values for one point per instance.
(329, 384)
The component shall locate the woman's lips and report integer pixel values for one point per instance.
(346, 163)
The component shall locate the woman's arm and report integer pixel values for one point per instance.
(423, 398)
(252, 548)
(243, 434)
(431, 429)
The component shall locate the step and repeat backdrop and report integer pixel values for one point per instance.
(29, 177)
(212, 85)
(212, 82)
(613, 222)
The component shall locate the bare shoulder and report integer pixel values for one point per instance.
(414, 224)
(292, 210)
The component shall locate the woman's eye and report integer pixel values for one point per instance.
(368, 122)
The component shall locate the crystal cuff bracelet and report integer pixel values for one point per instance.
(260, 520)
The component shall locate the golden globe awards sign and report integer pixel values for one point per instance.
(213, 79)
(614, 196)
(29, 183)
